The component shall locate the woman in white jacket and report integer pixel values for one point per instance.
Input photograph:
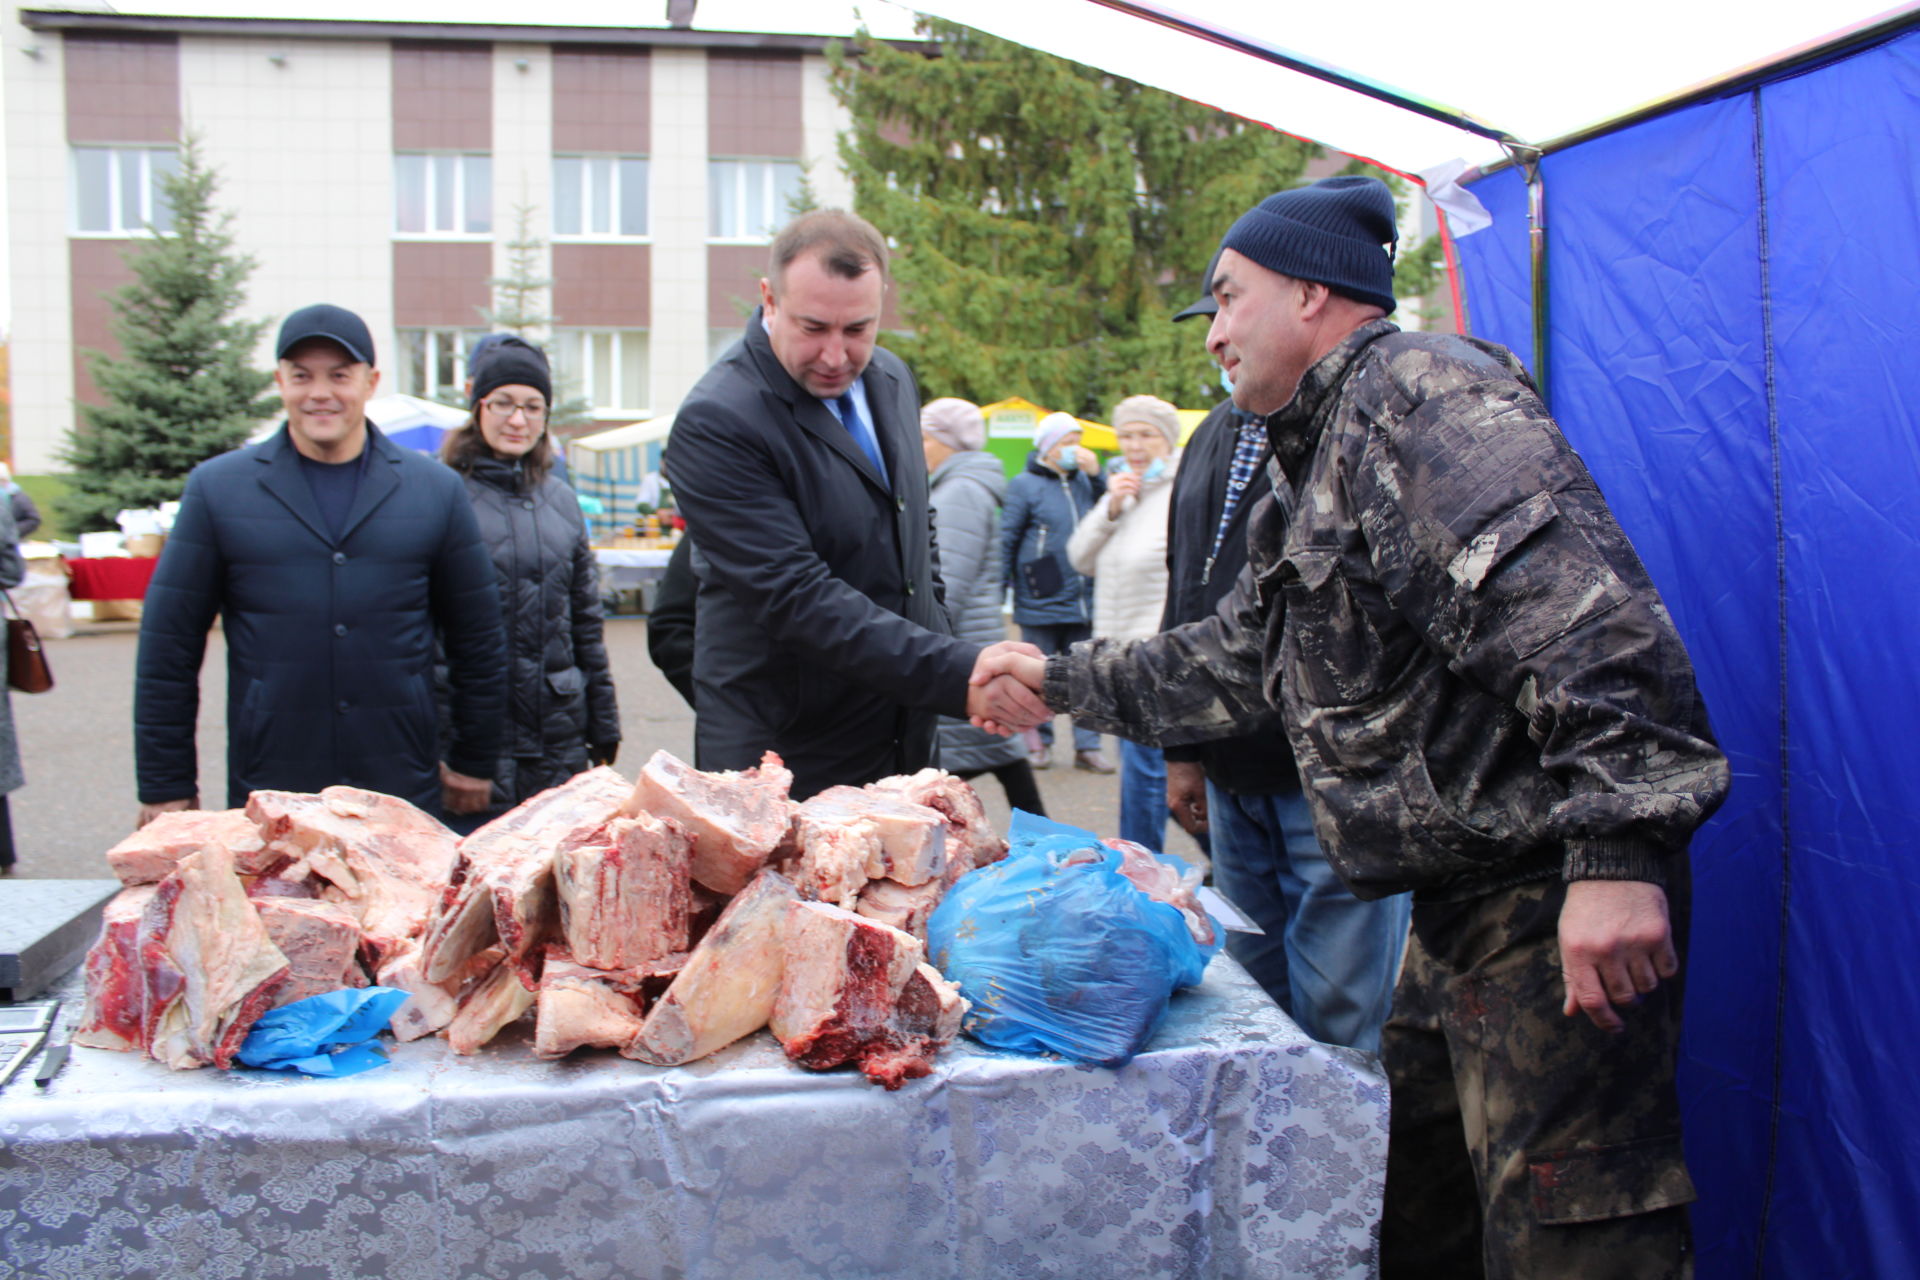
(1122, 545)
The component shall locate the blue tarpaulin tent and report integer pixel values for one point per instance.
(1732, 282)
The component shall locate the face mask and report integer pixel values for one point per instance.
(1068, 456)
(1155, 469)
(1226, 382)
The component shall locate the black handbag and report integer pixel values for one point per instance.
(27, 668)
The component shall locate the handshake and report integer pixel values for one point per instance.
(1003, 695)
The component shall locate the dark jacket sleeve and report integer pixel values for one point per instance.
(670, 623)
(590, 646)
(755, 541)
(1184, 752)
(1013, 524)
(466, 608)
(26, 513)
(180, 606)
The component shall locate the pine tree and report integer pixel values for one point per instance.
(1049, 218)
(184, 386)
(520, 307)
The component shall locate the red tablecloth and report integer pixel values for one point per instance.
(112, 577)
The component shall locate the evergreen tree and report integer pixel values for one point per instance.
(1049, 218)
(184, 386)
(520, 308)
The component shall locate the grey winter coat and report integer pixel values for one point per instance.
(1042, 510)
(967, 491)
(560, 693)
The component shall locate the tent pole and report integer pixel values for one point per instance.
(1528, 160)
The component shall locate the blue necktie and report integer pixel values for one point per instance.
(862, 434)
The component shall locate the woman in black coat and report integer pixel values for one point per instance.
(562, 717)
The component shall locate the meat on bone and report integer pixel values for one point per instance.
(735, 820)
(116, 991)
(430, 1005)
(209, 966)
(971, 840)
(388, 861)
(580, 1007)
(904, 907)
(149, 854)
(1163, 882)
(495, 1001)
(849, 835)
(321, 941)
(502, 886)
(624, 892)
(727, 987)
(844, 996)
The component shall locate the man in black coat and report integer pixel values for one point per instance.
(821, 632)
(329, 554)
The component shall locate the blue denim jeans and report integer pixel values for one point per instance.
(1058, 638)
(1143, 795)
(1327, 958)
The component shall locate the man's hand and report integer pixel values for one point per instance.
(1120, 487)
(461, 794)
(1616, 944)
(1187, 795)
(148, 812)
(1003, 695)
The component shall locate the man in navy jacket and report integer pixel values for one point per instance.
(330, 556)
(820, 629)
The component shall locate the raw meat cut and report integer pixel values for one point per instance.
(580, 1007)
(149, 854)
(905, 907)
(848, 836)
(116, 993)
(1164, 883)
(735, 820)
(856, 990)
(321, 941)
(498, 999)
(386, 860)
(971, 840)
(430, 1005)
(209, 967)
(728, 985)
(502, 888)
(624, 892)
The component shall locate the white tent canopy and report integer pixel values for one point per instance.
(1534, 71)
(631, 436)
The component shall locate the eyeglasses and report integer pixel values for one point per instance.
(507, 408)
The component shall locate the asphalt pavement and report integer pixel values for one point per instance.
(76, 743)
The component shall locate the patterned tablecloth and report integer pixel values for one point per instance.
(1233, 1146)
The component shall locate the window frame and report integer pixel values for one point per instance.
(464, 340)
(615, 159)
(770, 165)
(151, 200)
(578, 378)
(430, 191)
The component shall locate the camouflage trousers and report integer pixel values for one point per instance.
(1525, 1144)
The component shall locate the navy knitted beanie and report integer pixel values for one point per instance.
(1335, 232)
(516, 364)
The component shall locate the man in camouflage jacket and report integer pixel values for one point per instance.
(1490, 709)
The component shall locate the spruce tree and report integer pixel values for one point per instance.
(520, 308)
(184, 386)
(1049, 218)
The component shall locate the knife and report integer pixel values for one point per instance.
(50, 1063)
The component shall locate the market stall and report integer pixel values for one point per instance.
(1233, 1146)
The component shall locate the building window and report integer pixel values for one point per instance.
(751, 199)
(599, 196)
(607, 366)
(433, 363)
(116, 190)
(440, 193)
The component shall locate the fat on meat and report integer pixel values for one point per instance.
(581, 1007)
(502, 889)
(321, 941)
(624, 892)
(116, 998)
(492, 1003)
(430, 1006)
(1164, 883)
(855, 990)
(388, 861)
(209, 966)
(148, 855)
(726, 988)
(905, 907)
(850, 835)
(735, 820)
(971, 839)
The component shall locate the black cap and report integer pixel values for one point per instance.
(1206, 306)
(493, 342)
(513, 363)
(324, 320)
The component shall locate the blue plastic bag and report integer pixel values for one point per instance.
(329, 1034)
(1059, 952)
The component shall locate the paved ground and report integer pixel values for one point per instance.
(77, 746)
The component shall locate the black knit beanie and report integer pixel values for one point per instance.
(1335, 232)
(512, 365)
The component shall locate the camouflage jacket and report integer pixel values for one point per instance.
(1481, 685)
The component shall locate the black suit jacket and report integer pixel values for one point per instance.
(820, 629)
